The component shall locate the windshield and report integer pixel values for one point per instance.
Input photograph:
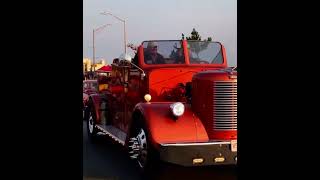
(204, 52)
(163, 52)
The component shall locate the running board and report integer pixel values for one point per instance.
(113, 132)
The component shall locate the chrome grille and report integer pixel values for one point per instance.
(225, 105)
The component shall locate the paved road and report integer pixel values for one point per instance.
(105, 160)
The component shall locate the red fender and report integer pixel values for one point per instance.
(96, 102)
(163, 128)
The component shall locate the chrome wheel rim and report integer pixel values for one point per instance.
(90, 123)
(138, 148)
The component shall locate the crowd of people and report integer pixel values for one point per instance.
(89, 75)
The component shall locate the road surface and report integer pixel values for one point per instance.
(104, 160)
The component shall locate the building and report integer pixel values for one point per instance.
(88, 66)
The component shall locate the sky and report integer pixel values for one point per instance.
(157, 20)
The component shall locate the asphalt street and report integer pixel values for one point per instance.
(104, 160)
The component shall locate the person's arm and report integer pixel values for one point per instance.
(146, 58)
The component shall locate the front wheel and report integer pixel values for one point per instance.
(141, 150)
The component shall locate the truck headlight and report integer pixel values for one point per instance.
(177, 109)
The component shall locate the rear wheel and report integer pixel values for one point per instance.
(85, 113)
(91, 122)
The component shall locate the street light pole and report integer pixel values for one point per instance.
(93, 53)
(124, 28)
(125, 36)
(93, 46)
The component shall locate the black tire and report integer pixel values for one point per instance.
(85, 113)
(91, 122)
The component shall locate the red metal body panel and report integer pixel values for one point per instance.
(165, 129)
(132, 98)
(224, 54)
(163, 81)
(116, 100)
(186, 55)
(96, 101)
(116, 89)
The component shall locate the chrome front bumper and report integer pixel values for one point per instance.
(199, 154)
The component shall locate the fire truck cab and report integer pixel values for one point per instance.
(175, 101)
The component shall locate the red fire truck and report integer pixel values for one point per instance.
(175, 101)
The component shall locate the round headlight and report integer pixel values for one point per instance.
(177, 109)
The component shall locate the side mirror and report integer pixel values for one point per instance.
(143, 75)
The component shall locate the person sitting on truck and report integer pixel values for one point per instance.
(135, 60)
(116, 61)
(151, 55)
(179, 56)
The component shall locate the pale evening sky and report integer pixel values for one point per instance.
(158, 20)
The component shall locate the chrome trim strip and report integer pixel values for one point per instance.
(111, 135)
(196, 144)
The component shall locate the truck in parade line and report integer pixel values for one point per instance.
(175, 101)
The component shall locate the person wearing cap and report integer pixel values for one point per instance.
(151, 55)
(116, 61)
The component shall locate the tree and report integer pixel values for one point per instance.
(197, 47)
(194, 35)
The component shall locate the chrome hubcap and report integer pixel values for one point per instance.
(90, 123)
(138, 148)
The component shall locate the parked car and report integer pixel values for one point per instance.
(89, 87)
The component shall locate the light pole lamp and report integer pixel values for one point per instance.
(93, 46)
(124, 28)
